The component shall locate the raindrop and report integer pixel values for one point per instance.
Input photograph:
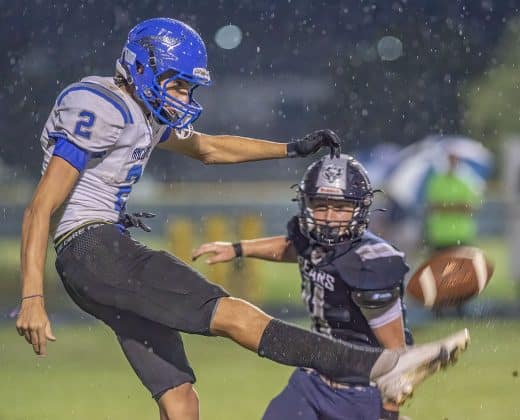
(390, 48)
(228, 37)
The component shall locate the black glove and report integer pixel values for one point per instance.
(313, 142)
(134, 220)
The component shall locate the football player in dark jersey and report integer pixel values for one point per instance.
(352, 286)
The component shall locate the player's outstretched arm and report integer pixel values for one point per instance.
(54, 187)
(211, 149)
(276, 248)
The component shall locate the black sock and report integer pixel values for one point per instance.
(337, 360)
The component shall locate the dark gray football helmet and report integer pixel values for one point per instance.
(342, 178)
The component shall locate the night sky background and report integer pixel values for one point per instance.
(300, 66)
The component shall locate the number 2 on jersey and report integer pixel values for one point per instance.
(133, 176)
(84, 124)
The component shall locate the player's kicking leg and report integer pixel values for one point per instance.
(397, 373)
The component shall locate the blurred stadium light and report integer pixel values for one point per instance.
(228, 37)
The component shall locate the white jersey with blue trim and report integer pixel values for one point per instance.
(107, 136)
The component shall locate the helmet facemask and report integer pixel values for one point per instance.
(166, 108)
(348, 220)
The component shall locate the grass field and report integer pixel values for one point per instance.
(86, 377)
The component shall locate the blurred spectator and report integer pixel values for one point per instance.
(451, 202)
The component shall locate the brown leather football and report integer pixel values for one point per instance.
(450, 277)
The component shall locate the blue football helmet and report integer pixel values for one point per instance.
(157, 52)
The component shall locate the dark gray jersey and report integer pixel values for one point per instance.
(331, 277)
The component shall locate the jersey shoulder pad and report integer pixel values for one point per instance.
(90, 115)
(372, 247)
(294, 234)
(374, 299)
(372, 264)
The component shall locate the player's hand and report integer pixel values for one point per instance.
(34, 325)
(130, 220)
(222, 252)
(313, 142)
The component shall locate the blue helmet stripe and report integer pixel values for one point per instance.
(104, 93)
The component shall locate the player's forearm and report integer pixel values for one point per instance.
(235, 149)
(391, 336)
(35, 231)
(276, 248)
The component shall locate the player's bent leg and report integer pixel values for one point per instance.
(156, 354)
(179, 403)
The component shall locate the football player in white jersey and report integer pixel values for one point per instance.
(97, 141)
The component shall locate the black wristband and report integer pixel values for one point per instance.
(237, 246)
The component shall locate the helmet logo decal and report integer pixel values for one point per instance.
(167, 41)
(332, 173)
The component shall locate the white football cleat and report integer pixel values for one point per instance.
(417, 363)
(455, 344)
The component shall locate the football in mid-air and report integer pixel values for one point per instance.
(450, 277)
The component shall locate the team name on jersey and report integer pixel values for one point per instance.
(141, 153)
(310, 273)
